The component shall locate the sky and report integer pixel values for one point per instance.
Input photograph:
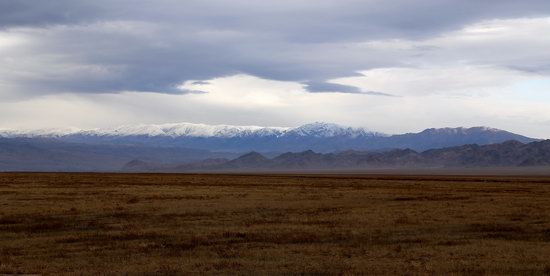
(392, 66)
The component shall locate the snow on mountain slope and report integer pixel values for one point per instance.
(319, 129)
(462, 130)
(187, 130)
(201, 130)
(320, 137)
(39, 133)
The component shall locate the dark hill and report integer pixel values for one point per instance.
(507, 154)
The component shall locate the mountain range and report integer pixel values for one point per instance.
(41, 154)
(319, 137)
(194, 147)
(507, 154)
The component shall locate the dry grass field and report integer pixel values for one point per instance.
(168, 224)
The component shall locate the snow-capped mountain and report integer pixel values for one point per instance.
(449, 137)
(320, 137)
(325, 130)
(168, 130)
(317, 129)
(461, 130)
(38, 133)
(187, 130)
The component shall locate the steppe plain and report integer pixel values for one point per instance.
(305, 224)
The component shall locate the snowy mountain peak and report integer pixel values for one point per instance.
(321, 129)
(462, 130)
(318, 136)
(187, 130)
(175, 130)
(39, 133)
(317, 129)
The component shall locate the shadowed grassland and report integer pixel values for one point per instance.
(167, 224)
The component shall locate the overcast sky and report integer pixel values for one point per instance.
(392, 66)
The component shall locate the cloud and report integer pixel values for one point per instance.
(113, 46)
(92, 63)
(324, 87)
(376, 93)
(39, 13)
(446, 80)
(246, 100)
(200, 83)
(330, 87)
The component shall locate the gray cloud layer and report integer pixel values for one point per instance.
(121, 45)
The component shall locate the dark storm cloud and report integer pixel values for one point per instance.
(120, 45)
(17, 13)
(320, 20)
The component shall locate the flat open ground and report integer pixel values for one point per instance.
(155, 224)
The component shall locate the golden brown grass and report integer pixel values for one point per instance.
(147, 224)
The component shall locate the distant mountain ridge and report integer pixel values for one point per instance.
(507, 154)
(41, 154)
(433, 138)
(320, 137)
(317, 129)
